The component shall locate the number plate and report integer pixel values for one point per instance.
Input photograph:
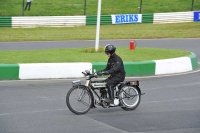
(87, 83)
(133, 83)
(75, 83)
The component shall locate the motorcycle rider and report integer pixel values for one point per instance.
(115, 68)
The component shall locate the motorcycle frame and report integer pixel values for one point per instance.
(92, 91)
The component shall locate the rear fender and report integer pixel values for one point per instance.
(135, 84)
(138, 89)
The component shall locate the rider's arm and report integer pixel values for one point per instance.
(105, 68)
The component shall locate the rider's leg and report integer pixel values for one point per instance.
(111, 83)
(111, 93)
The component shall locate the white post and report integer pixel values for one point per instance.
(98, 25)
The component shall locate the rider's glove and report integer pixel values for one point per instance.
(99, 73)
(105, 72)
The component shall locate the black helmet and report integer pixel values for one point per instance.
(109, 48)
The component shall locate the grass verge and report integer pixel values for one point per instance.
(76, 7)
(77, 55)
(127, 31)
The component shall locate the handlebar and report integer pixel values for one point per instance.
(94, 75)
(87, 73)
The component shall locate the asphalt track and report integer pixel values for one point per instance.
(171, 103)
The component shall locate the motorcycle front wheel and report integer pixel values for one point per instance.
(79, 100)
(129, 98)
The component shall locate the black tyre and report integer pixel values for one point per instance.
(129, 98)
(79, 100)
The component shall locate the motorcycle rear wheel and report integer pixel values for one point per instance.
(129, 98)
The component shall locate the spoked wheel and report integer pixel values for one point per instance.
(79, 100)
(130, 98)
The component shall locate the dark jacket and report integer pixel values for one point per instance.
(115, 65)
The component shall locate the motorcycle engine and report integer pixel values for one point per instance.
(103, 93)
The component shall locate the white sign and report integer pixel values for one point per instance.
(199, 16)
(126, 18)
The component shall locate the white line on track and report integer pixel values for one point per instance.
(172, 100)
(152, 102)
(31, 112)
(175, 86)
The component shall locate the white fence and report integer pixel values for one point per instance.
(173, 17)
(48, 21)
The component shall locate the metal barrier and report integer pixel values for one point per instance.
(69, 21)
(173, 17)
(5, 22)
(48, 21)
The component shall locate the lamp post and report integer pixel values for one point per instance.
(98, 25)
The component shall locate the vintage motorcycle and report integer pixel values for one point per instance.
(81, 98)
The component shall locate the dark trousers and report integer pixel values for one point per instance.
(112, 82)
(28, 4)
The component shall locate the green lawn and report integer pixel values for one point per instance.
(77, 55)
(127, 31)
(76, 7)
